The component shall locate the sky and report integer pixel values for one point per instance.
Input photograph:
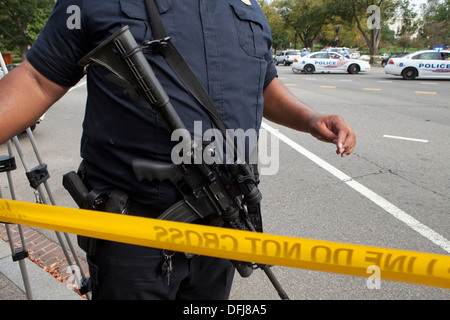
(418, 2)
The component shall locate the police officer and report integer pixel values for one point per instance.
(227, 44)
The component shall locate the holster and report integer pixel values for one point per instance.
(116, 203)
(86, 198)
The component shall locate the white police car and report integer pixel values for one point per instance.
(326, 62)
(423, 64)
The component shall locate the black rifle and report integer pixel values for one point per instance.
(208, 191)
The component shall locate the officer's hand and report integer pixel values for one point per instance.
(333, 129)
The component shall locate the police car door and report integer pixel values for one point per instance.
(339, 62)
(427, 63)
(445, 64)
(321, 61)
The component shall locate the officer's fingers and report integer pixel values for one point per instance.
(334, 129)
(345, 142)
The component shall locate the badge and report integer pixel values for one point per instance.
(247, 2)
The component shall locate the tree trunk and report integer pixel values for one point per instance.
(374, 43)
(23, 51)
(375, 38)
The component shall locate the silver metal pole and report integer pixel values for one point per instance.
(43, 198)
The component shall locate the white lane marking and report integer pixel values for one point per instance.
(405, 138)
(396, 212)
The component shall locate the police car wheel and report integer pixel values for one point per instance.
(353, 69)
(309, 68)
(409, 74)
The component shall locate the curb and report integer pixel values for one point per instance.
(46, 265)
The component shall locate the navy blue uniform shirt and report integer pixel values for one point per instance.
(226, 43)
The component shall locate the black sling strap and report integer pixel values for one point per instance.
(181, 68)
(179, 65)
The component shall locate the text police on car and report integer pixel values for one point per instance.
(424, 64)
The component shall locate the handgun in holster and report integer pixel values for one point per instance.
(114, 202)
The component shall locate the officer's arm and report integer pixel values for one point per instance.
(282, 107)
(25, 95)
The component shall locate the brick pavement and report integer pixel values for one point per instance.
(42, 251)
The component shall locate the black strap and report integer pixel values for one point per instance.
(180, 66)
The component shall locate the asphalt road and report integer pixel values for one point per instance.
(303, 199)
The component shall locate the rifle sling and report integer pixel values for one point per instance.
(180, 66)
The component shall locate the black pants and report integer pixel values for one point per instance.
(123, 271)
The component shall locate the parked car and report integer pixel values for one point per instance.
(423, 64)
(279, 57)
(327, 62)
(394, 55)
(287, 57)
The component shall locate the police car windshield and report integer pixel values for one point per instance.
(322, 55)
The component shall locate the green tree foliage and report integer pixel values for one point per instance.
(306, 18)
(21, 22)
(370, 16)
(435, 26)
(365, 23)
(406, 16)
(277, 25)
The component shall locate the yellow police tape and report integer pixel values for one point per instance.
(355, 260)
